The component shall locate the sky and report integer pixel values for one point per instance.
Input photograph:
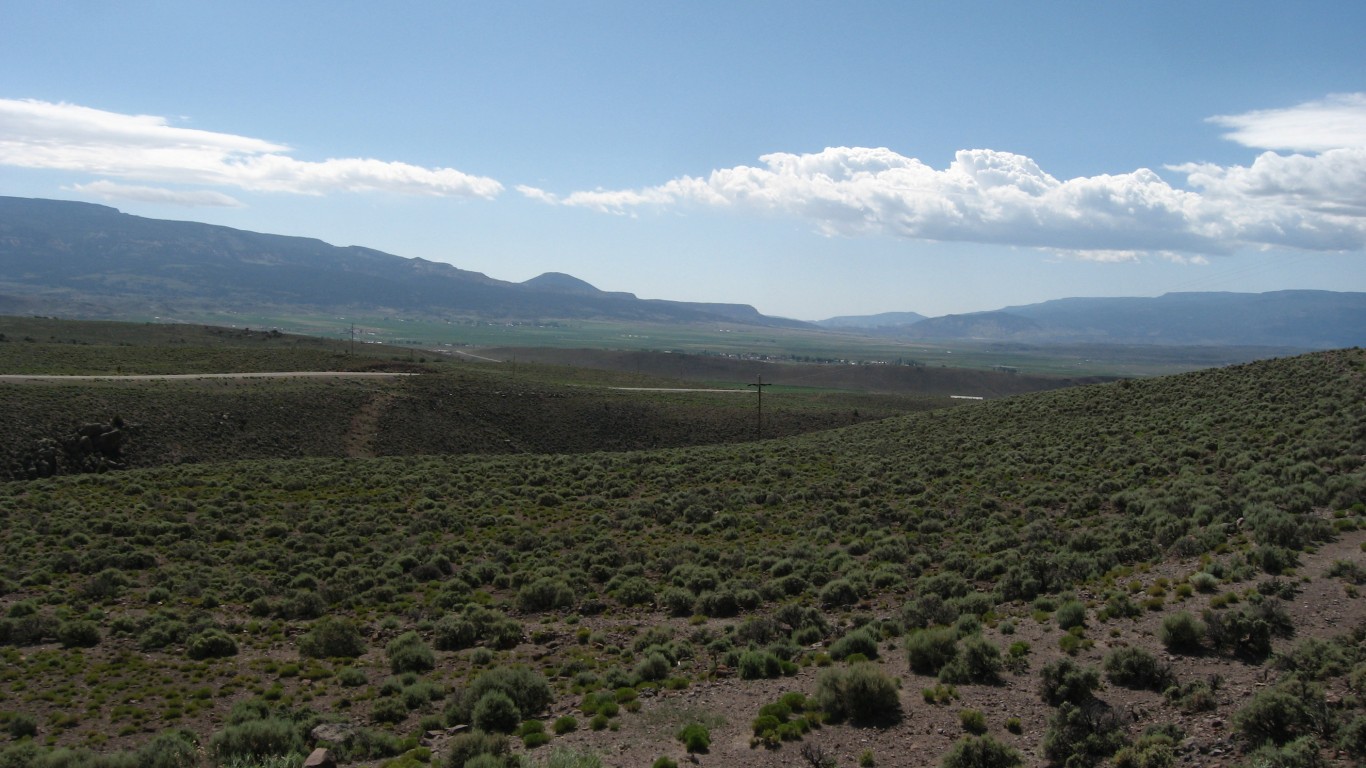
(812, 159)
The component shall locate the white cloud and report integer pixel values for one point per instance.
(193, 198)
(1334, 123)
(38, 134)
(1315, 202)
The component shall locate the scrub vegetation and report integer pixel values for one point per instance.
(222, 610)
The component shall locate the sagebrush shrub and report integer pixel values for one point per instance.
(1136, 668)
(256, 739)
(861, 693)
(1181, 632)
(928, 650)
(1065, 680)
(331, 637)
(981, 752)
(695, 737)
(496, 712)
(408, 653)
(978, 661)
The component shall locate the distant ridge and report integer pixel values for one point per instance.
(1300, 319)
(92, 260)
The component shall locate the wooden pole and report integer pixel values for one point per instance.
(759, 389)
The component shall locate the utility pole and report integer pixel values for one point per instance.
(353, 340)
(759, 389)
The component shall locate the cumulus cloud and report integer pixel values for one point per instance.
(1309, 201)
(38, 134)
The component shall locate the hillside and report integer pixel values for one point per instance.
(87, 260)
(1295, 319)
(1158, 532)
(430, 405)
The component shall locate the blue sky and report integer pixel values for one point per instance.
(811, 159)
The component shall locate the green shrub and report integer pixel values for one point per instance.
(332, 638)
(496, 712)
(389, 709)
(1196, 695)
(352, 677)
(973, 721)
(476, 626)
(928, 650)
(527, 689)
(211, 644)
(981, 752)
(861, 693)
(1299, 753)
(695, 737)
(545, 594)
(408, 653)
(22, 724)
(565, 724)
(256, 739)
(1291, 709)
(78, 634)
(757, 665)
(1136, 668)
(1181, 632)
(977, 661)
(466, 747)
(664, 762)
(863, 640)
(1071, 614)
(1083, 735)
(1065, 680)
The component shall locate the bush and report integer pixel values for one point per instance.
(22, 724)
(1083, 735)
(1281, 714)
(1181, 633)
(565, 724)
(973, 721)
(862, 640)
(977, 661)
(1136, 668)
(496, 712)
(981, 752)
(1300, 753)
(333, 638)
(928, 650)
(78, 634)
(211, 644)
(476, 626)
(861, 693)
(1065, 680)
(695, 737)
(389, 709)
(757, 665)
(1247, 631)
(1071, 614)
(545, 594)
(470, 745)
(408, 653)
(527, 689)
(255, 740)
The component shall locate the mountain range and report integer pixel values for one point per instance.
(82, 259)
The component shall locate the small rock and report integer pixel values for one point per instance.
(321, 758)
(333, 733)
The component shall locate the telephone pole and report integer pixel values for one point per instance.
(759, 389)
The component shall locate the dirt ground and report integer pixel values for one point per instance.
(925, 732)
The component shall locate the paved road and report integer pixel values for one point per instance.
(21, 378)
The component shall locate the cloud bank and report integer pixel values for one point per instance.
(44, 135)
(1308, 201)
